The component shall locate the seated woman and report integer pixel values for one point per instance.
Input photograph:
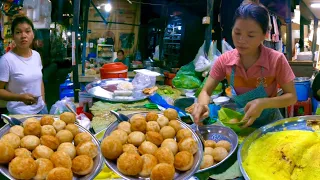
(122, 58)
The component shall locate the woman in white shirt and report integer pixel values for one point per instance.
(21, 72)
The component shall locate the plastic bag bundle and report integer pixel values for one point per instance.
(226, 46)
(60, 106)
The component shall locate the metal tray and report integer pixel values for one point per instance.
(218, 133)
(178, 175)
(295, 123)
(97, 161)
(111, 84)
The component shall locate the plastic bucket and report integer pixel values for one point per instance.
(114, 70)
(302, 86)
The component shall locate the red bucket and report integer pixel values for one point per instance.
(114, 70)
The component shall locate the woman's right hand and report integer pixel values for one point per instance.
(28, 99)
(200, 111)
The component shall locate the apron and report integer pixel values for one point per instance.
(267, 115)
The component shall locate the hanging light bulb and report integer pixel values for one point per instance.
(107, 7)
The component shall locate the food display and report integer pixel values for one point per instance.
(291, 154)
(218, 152)
(44, 148)
(148, 146)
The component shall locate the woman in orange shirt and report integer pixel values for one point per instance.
(252, 70)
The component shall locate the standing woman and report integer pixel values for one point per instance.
(21, 72)
(252, 70)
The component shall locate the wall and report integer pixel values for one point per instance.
(122, 12)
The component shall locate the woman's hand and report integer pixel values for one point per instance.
(28, 99)
(253, 110)
(200, 111)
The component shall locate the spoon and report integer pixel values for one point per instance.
(120, 117)
(12, 121)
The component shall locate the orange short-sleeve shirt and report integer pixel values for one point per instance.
(276, 70)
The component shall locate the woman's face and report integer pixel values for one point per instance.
(120, 56)
(247, 35)
(23, 35)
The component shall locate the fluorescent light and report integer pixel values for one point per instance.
(315, 5)
(129, 1)
(98, 7)
(107, 7)
(68, 33)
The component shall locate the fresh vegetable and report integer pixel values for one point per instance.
(169, 92)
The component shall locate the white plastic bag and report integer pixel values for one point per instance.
(203, 63)
(226, 46)
(60, 106)
(144, 79)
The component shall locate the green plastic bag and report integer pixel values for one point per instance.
(216, 91)
(186, 81)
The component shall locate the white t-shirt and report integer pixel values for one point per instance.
(23, 75)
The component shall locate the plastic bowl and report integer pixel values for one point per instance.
(221, 100)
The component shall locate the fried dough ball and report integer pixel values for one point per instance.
(60, 173)
(164, 155)
(147, 148)
(137, 116)
(163, 171)
(130, 164)
(46, 120)
(188, 144)
(74, 129)
(175, 124)
(208, 151)
(121, 135)
(219, 153)
(87, 148)
(206, 162)
(152, 116)
(18, 130)
(111, 148)
(167, 132)
(48, 130)
(68, 148)
(64, 136)
(6, 153)
(42, 151)
(82, 137)
(136, 138)
(139, 125)
(44, 167)
(50, 141)
(82, 165)
(171, 114)
(183, 133)
(68, 117)
(23, 168)
(29, 120)
(163, 121)
(153, 126)
(22, 152)
(61, 159)
(32, 128)
(170, 144)
(183, 161)
(125, 126)
(154, 137)
(30, 142)
(149, 162)
(59, 125)
(130, 148)
(210, 143)
(11, 139)
(224, 144)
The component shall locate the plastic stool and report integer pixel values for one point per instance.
(301, 108)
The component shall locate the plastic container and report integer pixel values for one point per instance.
(114, 70)
(302, 86)
(168, 78)
(67, 93)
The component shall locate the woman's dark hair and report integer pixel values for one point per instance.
(255, 11)
(20, 19)
(120, 51)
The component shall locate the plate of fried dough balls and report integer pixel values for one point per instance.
(49, 147)
(220, 143)
(152, 146)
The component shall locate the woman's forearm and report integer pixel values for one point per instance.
(280, 101)
(203, 97)
(9, 96)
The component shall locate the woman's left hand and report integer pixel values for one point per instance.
(253, 110)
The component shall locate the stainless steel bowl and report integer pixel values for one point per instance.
(295, 123)
(178, 175)
(218, 133)
(97, 161)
